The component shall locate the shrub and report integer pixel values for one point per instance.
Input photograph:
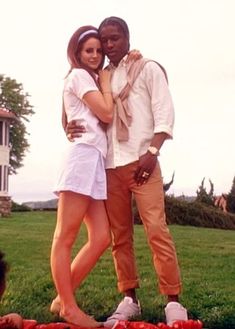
(194, 213)
(231, 198)
(19, 207)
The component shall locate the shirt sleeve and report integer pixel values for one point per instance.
(80, 82)
(161, 100)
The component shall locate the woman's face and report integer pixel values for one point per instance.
(91, 54)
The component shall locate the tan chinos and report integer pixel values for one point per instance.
(150, 202)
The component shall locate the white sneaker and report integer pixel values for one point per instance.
(175, 311)
(126, 310)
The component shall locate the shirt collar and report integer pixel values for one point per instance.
(121, 63)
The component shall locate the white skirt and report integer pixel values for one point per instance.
(83, 171)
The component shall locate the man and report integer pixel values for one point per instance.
(11, 320)
(143, 120)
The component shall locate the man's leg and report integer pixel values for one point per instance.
(150, 203)
(119, 209)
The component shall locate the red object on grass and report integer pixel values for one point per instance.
(190, 324)
(32, 324)
(162, 325)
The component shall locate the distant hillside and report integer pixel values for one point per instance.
(42, 205)
(52, 204)
(186, 198)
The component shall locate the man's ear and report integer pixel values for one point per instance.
(2, 288)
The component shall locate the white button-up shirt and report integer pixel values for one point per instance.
(152, 111)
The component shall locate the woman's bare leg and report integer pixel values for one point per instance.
(99, 239)
(72, 208)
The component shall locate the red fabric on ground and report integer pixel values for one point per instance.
(190, 324)
(32, 324)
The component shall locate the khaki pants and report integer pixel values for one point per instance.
(150, 202)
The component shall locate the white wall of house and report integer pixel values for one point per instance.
(4, 156)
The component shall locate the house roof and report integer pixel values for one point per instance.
(4, 113)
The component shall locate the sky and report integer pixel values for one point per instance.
(193, 40)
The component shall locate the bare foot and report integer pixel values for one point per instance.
(79, 318)
(55, 306)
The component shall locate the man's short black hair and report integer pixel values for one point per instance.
(3, 269)
(113, 20)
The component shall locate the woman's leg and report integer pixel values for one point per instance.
(98, 241)
(71, 210)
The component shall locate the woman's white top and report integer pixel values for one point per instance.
(76, 85)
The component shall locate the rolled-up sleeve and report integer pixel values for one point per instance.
(161, 100)
(80, 82)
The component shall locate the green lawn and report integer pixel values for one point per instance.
(207, 259)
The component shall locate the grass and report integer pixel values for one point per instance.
(206, 256)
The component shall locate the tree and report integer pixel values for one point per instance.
(166, 186)
(13, 98)
(203, 196)
(231, 198)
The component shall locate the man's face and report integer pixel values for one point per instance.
(114, 43)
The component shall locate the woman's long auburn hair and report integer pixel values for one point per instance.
(73, 54)
(75, 46)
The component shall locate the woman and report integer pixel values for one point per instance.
(82, 183)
